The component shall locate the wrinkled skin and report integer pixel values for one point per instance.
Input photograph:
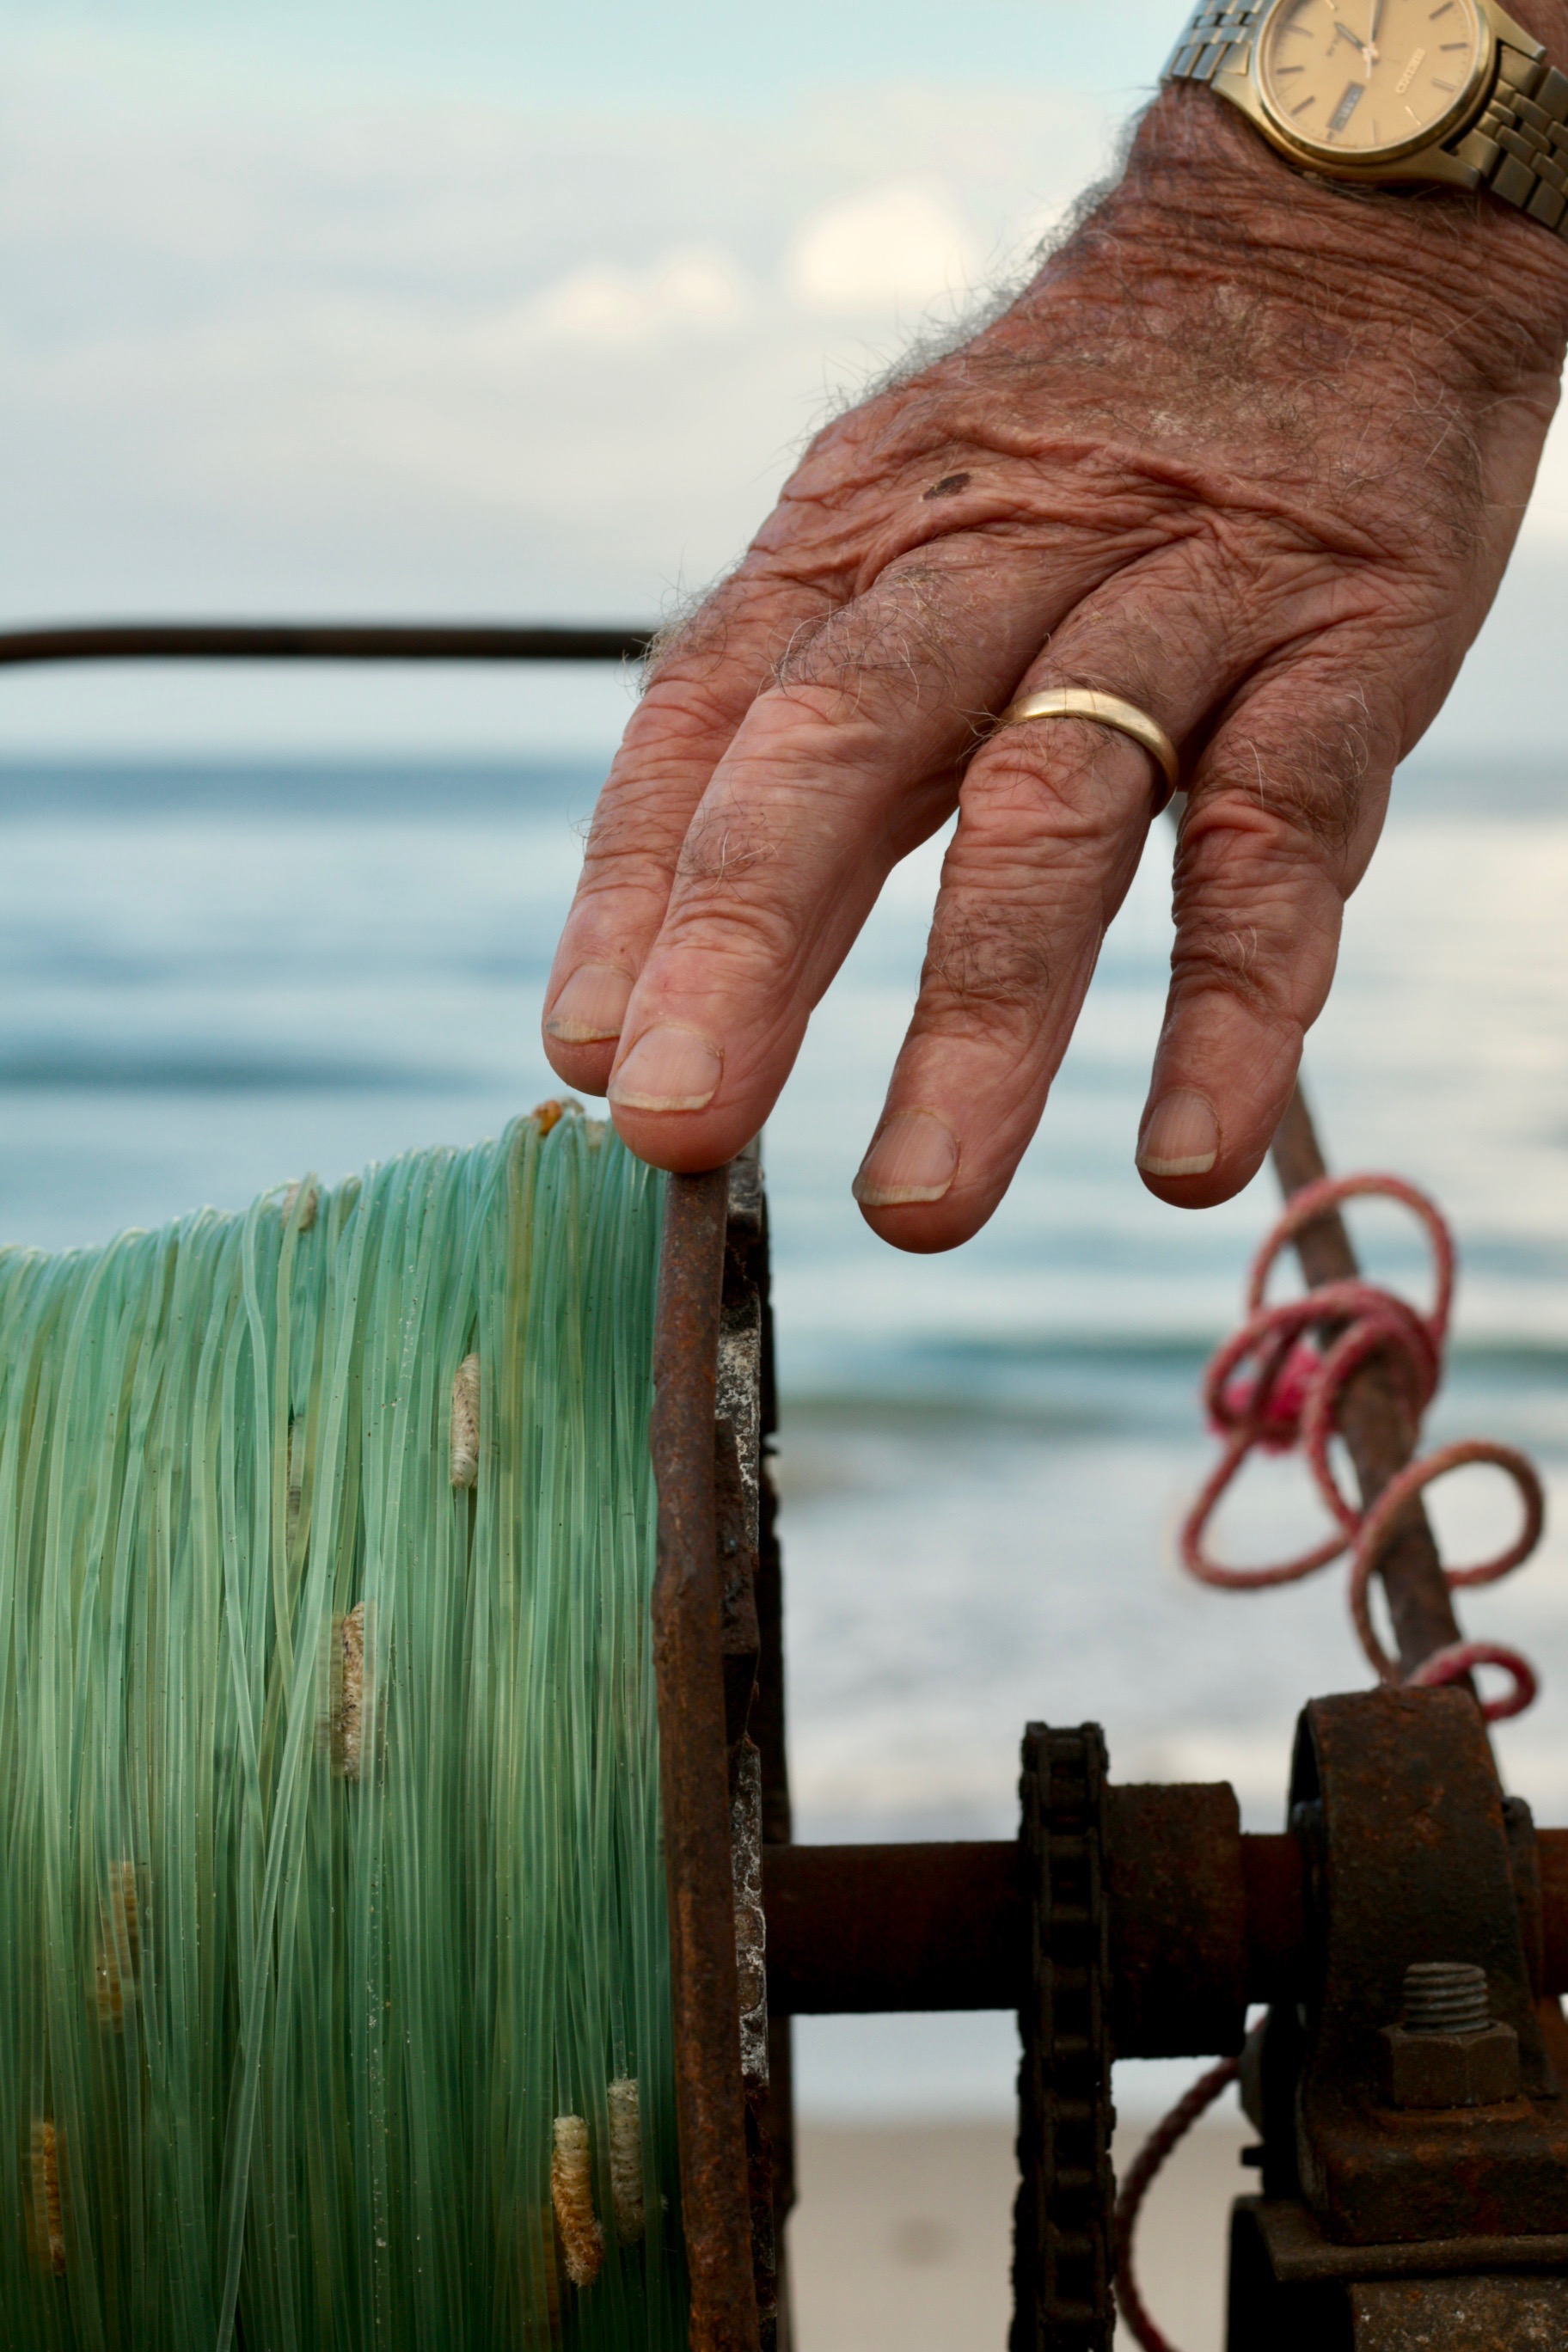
(1251, 452)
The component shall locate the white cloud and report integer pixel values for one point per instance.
(460, 357)
(893, 249)
(684, 291)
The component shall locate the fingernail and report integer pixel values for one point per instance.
(590, 1007)
(915, 1157)
(668, 1069)
(1180, 1137)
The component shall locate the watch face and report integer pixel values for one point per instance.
(1356, 81)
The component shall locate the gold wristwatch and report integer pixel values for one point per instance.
(1445, 90)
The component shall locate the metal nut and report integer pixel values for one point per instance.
(1452, 2070)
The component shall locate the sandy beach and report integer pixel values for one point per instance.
(902, 2237)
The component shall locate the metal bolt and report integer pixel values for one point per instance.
(1446, 2051)
(1446, 1997)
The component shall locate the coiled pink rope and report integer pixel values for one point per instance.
(1273, 1386)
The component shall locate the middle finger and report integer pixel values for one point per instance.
(834, 775)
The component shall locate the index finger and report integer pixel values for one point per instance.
(834, 776)
(701, 687)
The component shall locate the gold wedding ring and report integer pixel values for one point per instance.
(1105, 711)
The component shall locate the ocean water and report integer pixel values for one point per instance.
(214, 978)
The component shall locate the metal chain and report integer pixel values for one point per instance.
(1062, 2250)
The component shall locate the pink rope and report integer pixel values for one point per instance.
(1130, 2304)
(1272, 1387)
(1275, 1385)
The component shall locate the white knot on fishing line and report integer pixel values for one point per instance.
(45, 2210)
(466, 1422)
(571, 2195)
(624, 2103)
(119, 1961)
(349, 1693)
(305, 1196)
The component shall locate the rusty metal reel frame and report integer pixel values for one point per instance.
(716, 1626)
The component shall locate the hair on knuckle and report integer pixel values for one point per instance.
(1224, 957)
(693, 634)
(985, 968)
(696, 639)
(722, 844)
(903, 628)
(1314, 781)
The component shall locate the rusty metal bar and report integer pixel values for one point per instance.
(877, 1927)
(1374, 1421)
(869, 1928)
(687, 1661)
(420, 641)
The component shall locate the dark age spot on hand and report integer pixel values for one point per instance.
(948, 486)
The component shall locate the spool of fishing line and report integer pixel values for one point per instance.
(334, 2002)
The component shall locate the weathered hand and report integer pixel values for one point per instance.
(1251, 452)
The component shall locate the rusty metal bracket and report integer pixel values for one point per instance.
(1289, 2293)
(1299, 2250)
(694, 1772)
(716, 1614)
(1396, 1799)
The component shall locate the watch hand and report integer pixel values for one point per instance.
(1359, 46)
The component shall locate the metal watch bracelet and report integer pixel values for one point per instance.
(1518, 144)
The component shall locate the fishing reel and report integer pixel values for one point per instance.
(1406, 1936)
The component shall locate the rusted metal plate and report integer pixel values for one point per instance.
(1267, 2314)
(694, 1772)
(1298, 2250)
(1473, 2314)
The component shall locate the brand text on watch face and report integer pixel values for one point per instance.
(1355, 77)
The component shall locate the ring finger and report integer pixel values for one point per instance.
(1052, 815)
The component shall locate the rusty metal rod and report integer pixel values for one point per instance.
(419, 641)
(1374, 1420)
(862, 1929)
(901, 1928)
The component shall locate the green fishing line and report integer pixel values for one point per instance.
(334, 2002)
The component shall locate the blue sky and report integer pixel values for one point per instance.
(687, 55)
(518, 311)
